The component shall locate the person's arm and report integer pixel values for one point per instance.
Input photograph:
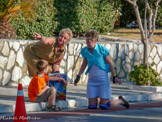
(56, 66)
(43, 90)
(44, 40)
(83, 66)
(57, 78)
(108, 61)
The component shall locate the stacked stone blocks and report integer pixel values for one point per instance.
(125, 54)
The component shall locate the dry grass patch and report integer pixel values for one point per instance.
(135, 34)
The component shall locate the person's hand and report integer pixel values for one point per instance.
(59, 76)
(116, 80)
(57, 72)
(77, 80)
(37, 36)
(64, 82)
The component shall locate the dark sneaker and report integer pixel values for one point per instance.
(126, 104)
(53, 108)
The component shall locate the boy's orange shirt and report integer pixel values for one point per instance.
(36, 85)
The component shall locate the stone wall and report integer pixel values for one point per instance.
(125, 54)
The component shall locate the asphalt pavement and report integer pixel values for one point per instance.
(144, 105)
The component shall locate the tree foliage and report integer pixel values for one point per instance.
(43, 22)
(128, 16)
(9, 8)
(82, 15)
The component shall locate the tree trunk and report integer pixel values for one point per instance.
(145, 53)
(6, 30)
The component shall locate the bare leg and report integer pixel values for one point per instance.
(104, 101)
(116, 102)
(52, 98)
(98, 100)
(92, 101)
(112, 102)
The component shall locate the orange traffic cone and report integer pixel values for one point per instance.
(20, 112)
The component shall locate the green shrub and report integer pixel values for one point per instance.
(3, 5)
(82, 15)
(141, 76)
(79, 15)
(43, 22)
(159, 16)
(106, 16)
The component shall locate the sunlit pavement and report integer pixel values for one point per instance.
(138, 112)
(150, 111)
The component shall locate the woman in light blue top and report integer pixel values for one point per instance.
(99, 64)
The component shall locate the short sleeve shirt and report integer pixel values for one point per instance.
(36, 85)
(46, 52)
(97, 58)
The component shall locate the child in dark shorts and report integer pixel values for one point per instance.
(38, 91)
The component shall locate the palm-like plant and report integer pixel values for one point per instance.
(8, 9)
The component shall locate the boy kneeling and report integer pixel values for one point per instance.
(38, 91)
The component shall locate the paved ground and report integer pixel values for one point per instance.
(138, 115)
(144, 105)
(138, 112)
